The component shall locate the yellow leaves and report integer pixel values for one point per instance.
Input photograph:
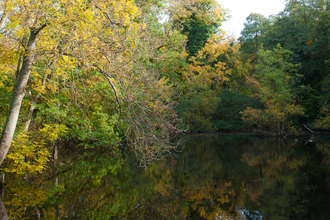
(216, 47)
(163, 188)
(131, 8)
(53, 131)
(37, 84)
(89, 15)
(163, 81)
(79, 34)
(124, 11)
(8, 55)
(23, 196)
(69, 61)
(214, 63)
(71, 23)
(295, 164)
(23, 147)
(84, 29)
(202, 211)
(35, 151)
(273, 116)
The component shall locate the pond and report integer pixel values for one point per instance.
(213, 176)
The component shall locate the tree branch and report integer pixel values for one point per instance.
(109, 18)
(112, 85)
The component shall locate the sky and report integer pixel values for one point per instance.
(240, 9)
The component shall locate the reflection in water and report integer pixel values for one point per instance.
(214, 177)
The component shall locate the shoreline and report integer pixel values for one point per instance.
(260, 132)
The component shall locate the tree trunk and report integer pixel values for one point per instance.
(36, 209)
(3, 212)
(18, 93)
(32, 107)
(2, 185)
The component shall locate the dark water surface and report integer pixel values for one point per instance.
(214, 177)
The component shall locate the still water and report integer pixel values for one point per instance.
(212, 177)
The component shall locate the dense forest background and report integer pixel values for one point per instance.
(102, 73)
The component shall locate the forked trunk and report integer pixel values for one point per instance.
(18, 93)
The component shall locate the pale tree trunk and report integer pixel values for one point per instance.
(57, 211)
(3, 212)
(36, 209)
(32, 107)
(2, 184)
(18, 92)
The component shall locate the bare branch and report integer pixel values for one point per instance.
(112, 85)
(109, 18)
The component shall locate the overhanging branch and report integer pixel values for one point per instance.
(111, 84)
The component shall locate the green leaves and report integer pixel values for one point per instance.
(227, 115)
(197, 106)
(198, 20)
(252, 36)
(276, 76)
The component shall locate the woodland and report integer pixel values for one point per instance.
(132, 74)
(103, 74)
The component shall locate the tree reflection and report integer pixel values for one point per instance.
(289, 189)
(228, 176)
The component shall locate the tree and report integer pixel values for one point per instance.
(251, 36)
(199, 20)
(203, 80)
(197, 32)
(276, 76)
(301, 28)
(65, 46)
(46, 24)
